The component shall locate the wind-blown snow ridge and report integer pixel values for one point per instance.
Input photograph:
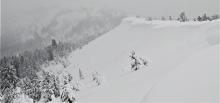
(165, 45)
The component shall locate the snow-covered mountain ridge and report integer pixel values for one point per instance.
(166, 45)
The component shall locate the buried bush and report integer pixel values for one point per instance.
(137, 62)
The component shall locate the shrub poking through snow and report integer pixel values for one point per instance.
(135, 65)
(137, 62)
(144, 61)
(96, 77)
(81, 75)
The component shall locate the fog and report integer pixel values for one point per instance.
(22, 11)
(18, 15)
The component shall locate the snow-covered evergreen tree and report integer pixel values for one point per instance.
(170, 18)
(8, 78)
(47, 84)
(21, 97)
(150, 18)
(10, 95)
(31, 87)
(183, 17)
(67, 94)
(206, 18)
(163, 18)
(56, 89)
(67, 78)
(54, 43)
(135, 65)
(50, 85)
(199, 18)
(67, 89)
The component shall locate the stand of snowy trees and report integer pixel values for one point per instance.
(183, 18)
(19, 75)
(204, 17)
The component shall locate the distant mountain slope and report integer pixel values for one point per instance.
(65, 25)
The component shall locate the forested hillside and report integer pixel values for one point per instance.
(66, 25)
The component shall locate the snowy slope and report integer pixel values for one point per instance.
(165, 44)
(195, 80)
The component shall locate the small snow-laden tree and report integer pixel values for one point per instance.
(199, 18)
(8, 78)
(50, 85)
(21, 97)
(97, 78)
(183, 17)
(170, 18)
(194, 19)
(135, 65)
(51, 54)
(163, 18)
(16, 63)
(47, 84)
(68, 89)
(150, 19)
(204, 17)
(31, 87)
(67, 94)
(56, 89)
(10, 95)
(54, 43)
(67, 78)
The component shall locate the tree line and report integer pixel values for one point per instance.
(183, 18)
(26, 65)
(204, 17)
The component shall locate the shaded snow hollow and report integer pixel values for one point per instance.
(182, 56)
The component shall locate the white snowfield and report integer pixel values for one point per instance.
(183, 63)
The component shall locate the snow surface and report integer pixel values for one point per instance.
(171, 49)
(195, 80)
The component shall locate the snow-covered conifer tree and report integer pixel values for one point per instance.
(135, 65)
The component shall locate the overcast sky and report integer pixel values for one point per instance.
(21, 11)
(14, 11)
(141, 7)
